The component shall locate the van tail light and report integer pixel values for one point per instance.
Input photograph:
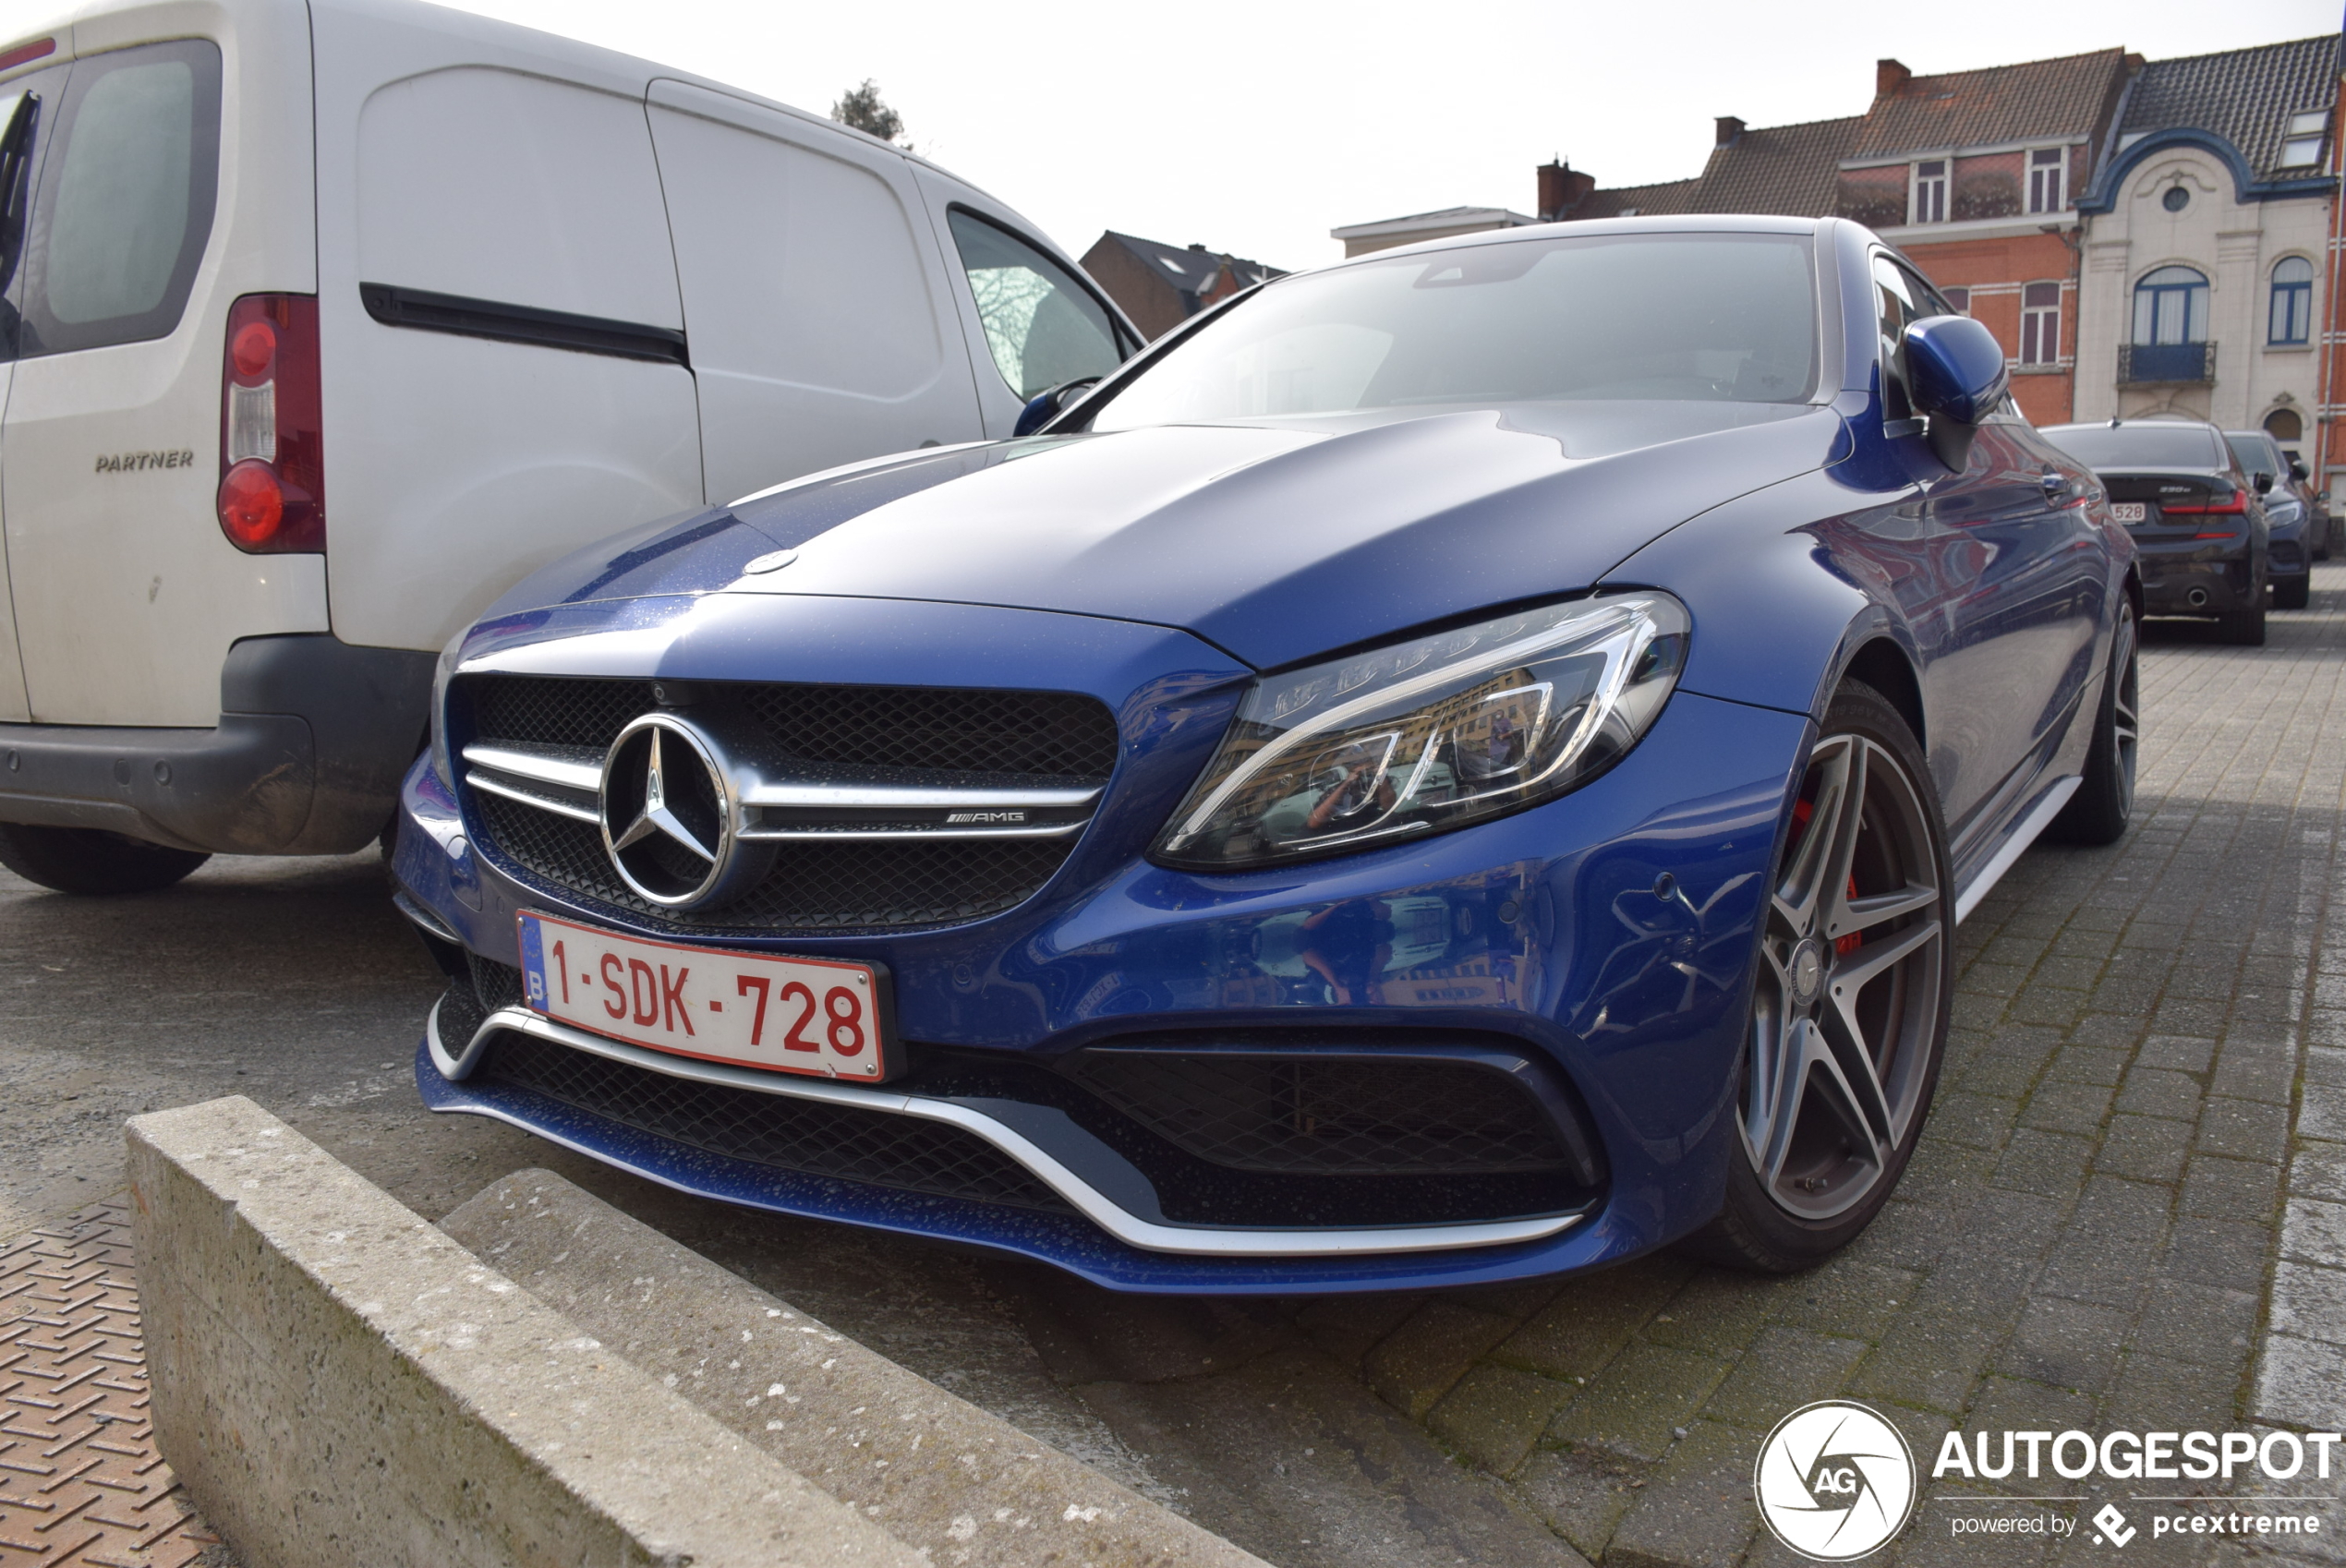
(273, 471)
(2231, 504)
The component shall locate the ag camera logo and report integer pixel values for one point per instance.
(1834, 1481)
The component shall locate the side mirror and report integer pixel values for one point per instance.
(2297, 471)
(1049, 403)
(2264, 483)
(1956, 376)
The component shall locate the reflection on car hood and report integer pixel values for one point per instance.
(1277, 540)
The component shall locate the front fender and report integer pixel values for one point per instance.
(1778, 616)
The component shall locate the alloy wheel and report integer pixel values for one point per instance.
(1844, 1015)
(2126, 707)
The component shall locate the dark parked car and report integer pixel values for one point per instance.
(2195, 517)
(1461, 765)
(2291, 518)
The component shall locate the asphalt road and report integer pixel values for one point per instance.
(294, 983)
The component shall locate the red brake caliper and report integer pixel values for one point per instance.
(1801, 812)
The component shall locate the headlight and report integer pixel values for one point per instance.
(1431, 734)
(444, 767)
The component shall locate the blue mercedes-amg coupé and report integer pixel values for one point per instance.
(1460, 765)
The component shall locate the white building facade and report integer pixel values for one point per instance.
(2206, 243)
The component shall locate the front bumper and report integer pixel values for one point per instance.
(313, 736)
(1554, 933)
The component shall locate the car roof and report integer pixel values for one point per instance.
(1707, 223)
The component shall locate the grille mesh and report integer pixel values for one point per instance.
(948, 736)
(857, 886)
(810, 1136)
(1337, 1118)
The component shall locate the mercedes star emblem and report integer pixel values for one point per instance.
(668, 812)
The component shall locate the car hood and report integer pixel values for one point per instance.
(1276, 540)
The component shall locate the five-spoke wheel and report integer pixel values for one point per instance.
(1850, 1003)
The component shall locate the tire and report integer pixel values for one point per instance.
(2098, 813)
(2243, 629)
(1816, 1153)
(89, 860)
(2292, 593)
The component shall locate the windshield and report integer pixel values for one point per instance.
(2139, 446)
(1717, 318)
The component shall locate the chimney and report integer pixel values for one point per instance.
(1562, 188)
(1730, 131)
(1888, 76)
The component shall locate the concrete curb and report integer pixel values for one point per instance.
(940, 1474)
(335, 1382)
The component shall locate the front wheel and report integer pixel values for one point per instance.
(1849, 1009)
(89, 860)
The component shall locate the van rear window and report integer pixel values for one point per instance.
(125, 200)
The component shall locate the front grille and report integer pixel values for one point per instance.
(941, 737)
(857, 886)
(1058, 735)
(808, 1135)
(1328, 1117)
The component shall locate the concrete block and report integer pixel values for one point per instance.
(938, 1473)
(336, 1382)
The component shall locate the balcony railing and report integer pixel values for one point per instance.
(2140, 364)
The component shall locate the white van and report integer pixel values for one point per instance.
(320, 323)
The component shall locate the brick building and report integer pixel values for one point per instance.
(1162, 285)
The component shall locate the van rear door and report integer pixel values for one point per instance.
(822, 318)
(21, 101)
(126, 595)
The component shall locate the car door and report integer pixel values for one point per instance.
(814, 295)
(1030, 320)
(22, 101)
(1984, 579)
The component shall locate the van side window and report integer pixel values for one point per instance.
(1043, 326)
(125, 200)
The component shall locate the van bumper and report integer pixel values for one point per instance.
(313, 737)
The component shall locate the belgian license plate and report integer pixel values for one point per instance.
(2129, 511)
(809, 1016)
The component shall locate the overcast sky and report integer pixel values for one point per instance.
(1256, 129)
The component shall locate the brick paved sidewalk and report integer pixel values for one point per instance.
(80, 1481)
(2086, 1235)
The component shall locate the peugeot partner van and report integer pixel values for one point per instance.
(322, 323)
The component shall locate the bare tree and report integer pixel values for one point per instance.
(863, 108)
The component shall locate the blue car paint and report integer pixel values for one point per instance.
(1159, 569)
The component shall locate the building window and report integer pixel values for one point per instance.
(2302, 142)
(2284, 426)
(2048, 167)
(2175, 198)
(2292, 316)
(1959, 298)
(2171, 305)
(1929, 203)
(2040, 324)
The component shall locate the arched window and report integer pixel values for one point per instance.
(2292, 316)
(2171, 305)
(2283, 425)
